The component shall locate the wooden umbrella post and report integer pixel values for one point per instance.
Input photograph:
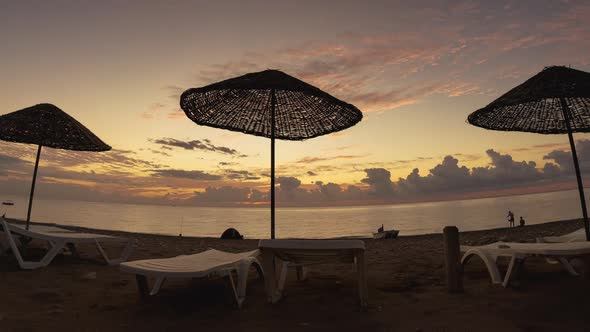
(565, 110)
(453, 266)
(273, 102)
(33, 187)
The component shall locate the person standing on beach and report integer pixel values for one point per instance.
(521, 221)
(510, 218)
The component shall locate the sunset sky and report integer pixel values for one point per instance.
(415, 68)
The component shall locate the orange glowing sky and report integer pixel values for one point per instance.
(416, 69)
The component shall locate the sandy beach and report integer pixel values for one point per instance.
(406, 291)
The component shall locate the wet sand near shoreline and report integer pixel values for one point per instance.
(407, 292)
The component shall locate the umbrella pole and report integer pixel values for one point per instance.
(33, 187)
(565, 110)
(272, 164)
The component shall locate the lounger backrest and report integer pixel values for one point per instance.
(312, 251)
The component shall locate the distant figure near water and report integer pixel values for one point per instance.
(380, 229)
(522, 221)
(510, 218)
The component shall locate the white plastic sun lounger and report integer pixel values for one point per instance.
(518, 252)
(301, 253)
(211, 263)
(577, 236)
(58, 239)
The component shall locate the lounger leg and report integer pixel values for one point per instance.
(157, 285)
(142, 287)
(243, 270)
(73, 250)
(12, 243)
(282, 276)
(53, 250)
(124, 254)
(270, 279)
(10, 240)
(361, 266)
(513, 267)
(232, 286)
(4, 247)
(301, 273)
(489, 261)
(568, 267)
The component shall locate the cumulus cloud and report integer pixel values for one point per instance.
(448, 177)
(565, 160)
(379, 180)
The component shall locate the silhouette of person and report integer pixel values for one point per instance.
(380, 229)
(510, 218)
(521, 221)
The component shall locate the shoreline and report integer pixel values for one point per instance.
(566, 223)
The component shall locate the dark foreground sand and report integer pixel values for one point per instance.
(406, 289)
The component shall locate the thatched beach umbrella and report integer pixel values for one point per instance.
(47, 125)
(271, 104)
(555, 101)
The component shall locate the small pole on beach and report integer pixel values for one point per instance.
(181, 223)
(452, 261)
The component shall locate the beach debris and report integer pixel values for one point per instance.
(89, 276)
(231, 234)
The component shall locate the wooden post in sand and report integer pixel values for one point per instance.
(452, 259)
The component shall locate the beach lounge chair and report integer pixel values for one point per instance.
(577, 236)
(518, 252)
(208, 264)
(58, 239)
(302, 253)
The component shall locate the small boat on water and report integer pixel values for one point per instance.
(391, 234)
(8, 202)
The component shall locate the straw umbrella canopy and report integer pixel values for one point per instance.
(555, 101)
(47, 125)
(270, 104)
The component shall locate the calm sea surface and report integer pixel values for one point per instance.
(411, 219)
